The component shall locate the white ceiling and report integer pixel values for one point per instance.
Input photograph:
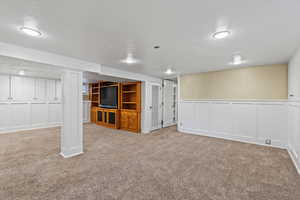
(13, 66)
(104, 31)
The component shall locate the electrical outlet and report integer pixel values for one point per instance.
(268, 141)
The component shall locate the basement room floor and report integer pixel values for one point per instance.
(163, 165)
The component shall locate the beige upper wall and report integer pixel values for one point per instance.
(259, 82)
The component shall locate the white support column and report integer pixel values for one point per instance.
(71, 132)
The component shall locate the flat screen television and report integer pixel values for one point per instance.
(109, 97)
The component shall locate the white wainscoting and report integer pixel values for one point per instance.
(245, 121)
(253, 122)
(17, 116)
(294, 132)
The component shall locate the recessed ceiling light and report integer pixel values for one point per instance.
(221, 34)
(169, 71)
(22, 72)
(31, 31)
(156, 47)
(237, 60)
(130, 59)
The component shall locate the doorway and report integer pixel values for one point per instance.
(156, 107)
(169, 103)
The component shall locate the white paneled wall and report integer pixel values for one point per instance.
(28, 103)
(294, 132)
(253, 122)
(4, 87)
(15, 116)
(247, 121)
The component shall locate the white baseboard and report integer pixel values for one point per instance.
(71, 152)
(245, 140)
(169, 124)
(231, 137)
(18, 129)
(294, 160)
(28, 128)
(71, 155)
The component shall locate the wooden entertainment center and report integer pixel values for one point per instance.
(126, 115)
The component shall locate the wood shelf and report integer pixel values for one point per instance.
(114, 85)
(94, 93)
(129, 83)
(129, 102)
(129, 92)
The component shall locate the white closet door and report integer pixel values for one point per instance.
(51, 87)
(22, 88)
(40, 89)
(4, 87)
(168, 108)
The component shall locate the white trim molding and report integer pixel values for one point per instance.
(294, 160)
(251, 121)
(71, 152)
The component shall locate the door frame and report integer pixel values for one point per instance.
(175, 104)
(160, 107)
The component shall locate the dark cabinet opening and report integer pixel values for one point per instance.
(112, 118)
(99, 115)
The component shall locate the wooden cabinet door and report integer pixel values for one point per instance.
(94, 115)
(124, 120)
(132, 121)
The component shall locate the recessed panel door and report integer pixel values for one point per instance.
(132, 121)
(124, 120)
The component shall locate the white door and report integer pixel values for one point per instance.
(169, 103)
(156, 107)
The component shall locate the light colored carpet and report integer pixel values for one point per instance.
(162, 165)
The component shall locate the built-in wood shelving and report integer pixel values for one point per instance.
(127, 115)
(94, 93)
(130, 106)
